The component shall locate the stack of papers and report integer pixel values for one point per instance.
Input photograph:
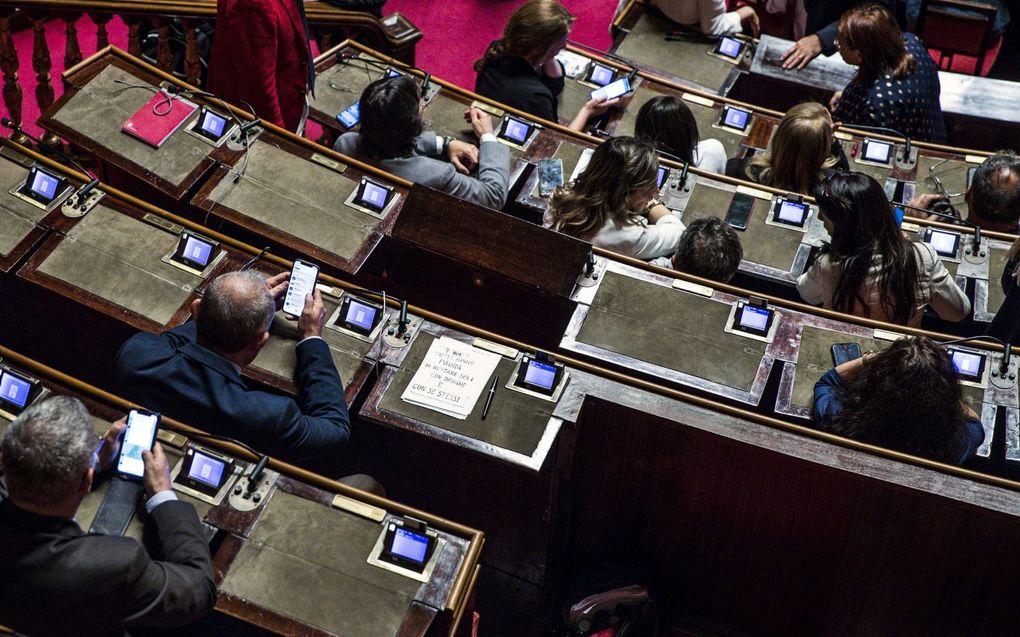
(451, 377)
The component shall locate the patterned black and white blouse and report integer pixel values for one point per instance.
(909, 105)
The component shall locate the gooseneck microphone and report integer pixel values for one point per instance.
(943, 215)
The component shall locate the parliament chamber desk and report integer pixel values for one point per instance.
(296, 560)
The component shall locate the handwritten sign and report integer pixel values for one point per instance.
(451, 377)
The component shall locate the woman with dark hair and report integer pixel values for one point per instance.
(392, 138)
(521, 70)
(906, 398)
(868, 268)
(612, 205)
(667, 123)
(897, 83)
(801, 153)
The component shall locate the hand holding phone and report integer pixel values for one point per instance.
(612, 90)
(157, 471)
(313, 315)
(139, 436)
(302, 282)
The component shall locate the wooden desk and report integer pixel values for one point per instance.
(102, 93)
(640, 38)
(514, 451)
(979, 112)
(297, 561)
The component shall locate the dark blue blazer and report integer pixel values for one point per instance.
(172, 374)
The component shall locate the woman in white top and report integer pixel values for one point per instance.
(667, 123)
(869, 268)
(612, 205)
(709, 16)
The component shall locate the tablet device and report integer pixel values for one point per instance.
(16, 391)
(539, 376)
(514, 130)
(661, 176)
(407, 547)
(876, 152)
(600, 75)
(43, 186)
(204, 471)
(729, 47)
(194, 251)
(970, 366)
(210, 125)
(358, 315)
(946, 243)
(791, 213)
(372, 195)
(752, 319)
(735, 118)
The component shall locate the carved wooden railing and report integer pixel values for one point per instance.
(394, 34)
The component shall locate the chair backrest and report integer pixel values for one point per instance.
(956, 26)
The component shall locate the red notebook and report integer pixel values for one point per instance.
(157, 119)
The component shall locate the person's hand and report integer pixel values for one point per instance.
(277, 285)
(463, 156)
(803, 51)
(156, 475)
(109, 446)
(481, 122)
(925, 200)
(312, 316)
(833, 103)
(595, 107)
(749, 18)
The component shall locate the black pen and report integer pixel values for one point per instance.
(488, 399)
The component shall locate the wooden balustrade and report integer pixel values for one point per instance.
(393, 35)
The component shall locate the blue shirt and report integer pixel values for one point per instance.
(909, 105)
(966, 439)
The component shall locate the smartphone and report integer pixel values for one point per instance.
(740, 211)
(302, 282)
(844, 353)
(612, 90)
(139, 436)
(550, 175)
(350, 116)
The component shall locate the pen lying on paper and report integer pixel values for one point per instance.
(488, 399)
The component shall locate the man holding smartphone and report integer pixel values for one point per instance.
(57, 580)
(193, 373)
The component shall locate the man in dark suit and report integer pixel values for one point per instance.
(261, 56)
(193, 373)
(391, 137)
(55, 579)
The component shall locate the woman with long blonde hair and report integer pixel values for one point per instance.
(612, 204)
(521, 70)
(801, 152)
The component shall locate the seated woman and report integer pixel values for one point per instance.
(802, 152)
(897, 83)
(391, 137)
(612, 203)
(709, 16)
(868, 268)
(521, 70)
(667, 123)
(906, 398)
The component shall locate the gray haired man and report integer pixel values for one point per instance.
(54, 578)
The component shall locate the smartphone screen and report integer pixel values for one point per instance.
(139, 436)
(550, 175)
(302, 282)
(350, 116)
(844, 353)
(612, 90)
(740, 211)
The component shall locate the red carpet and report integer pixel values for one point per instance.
(456, 33)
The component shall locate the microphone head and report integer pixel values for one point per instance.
(8, 123)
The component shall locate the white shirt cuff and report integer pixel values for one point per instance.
(308, 338)
(488, 137)
(440, 140)
(158, 499)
